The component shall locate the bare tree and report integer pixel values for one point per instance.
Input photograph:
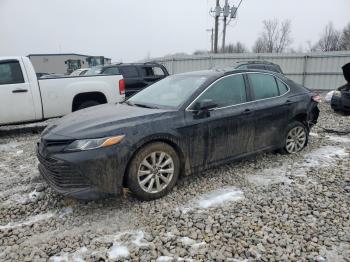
(275, 37)
(259, 46)
(345, 38)
(284, 39)
(329, 40)
(235, 48)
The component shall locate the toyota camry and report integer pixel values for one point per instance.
(183, 124)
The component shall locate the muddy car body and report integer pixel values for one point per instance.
(185, 124)
(341, 98)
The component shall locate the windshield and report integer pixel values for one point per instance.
(171, 92)
(94, 71)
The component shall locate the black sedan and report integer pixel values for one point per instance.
(182, 124)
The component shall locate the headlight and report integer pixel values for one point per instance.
(88, 144)
(336, 93)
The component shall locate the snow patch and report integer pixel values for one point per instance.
(323, 157)
(165, 259)
(9, 146)
(34, 196)
(118, 251)
(77, 256)
(30, 221)
(339, 139)
(265, 177)
(313, 134)
(66, 211)
(186, 241)
(215, 198)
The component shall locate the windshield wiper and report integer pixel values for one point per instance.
(128, 103)
(145, 106)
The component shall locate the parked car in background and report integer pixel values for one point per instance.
(80, 72)
(52, 76)
(184, 123)
(24, 98)
(137, 76)
(260, 65)
(341, 97)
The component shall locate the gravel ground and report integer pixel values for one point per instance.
(270, 207)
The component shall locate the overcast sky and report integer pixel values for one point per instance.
(130, 30)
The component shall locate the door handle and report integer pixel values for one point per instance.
(247, 112)
(288, 102)
(20, 91)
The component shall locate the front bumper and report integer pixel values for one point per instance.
(341, 103)
(84, 175)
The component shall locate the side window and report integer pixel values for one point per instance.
(129, 71)
(158, 71)
(282, 87)
(264, 86)
(10, 73)
(152, 71)
(226, 92)
(111, 71)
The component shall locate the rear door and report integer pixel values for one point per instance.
(272, 109)
(16, 101)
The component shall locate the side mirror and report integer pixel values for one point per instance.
(202, 108)
(205, 105)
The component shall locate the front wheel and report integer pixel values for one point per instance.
(153, 172)
(296, 138)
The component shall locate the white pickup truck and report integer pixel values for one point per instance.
(24, 98)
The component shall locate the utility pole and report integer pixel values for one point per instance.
(217, 15)
(211, 39)
(226, 12)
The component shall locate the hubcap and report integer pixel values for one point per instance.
(155, 172)
(296, 140)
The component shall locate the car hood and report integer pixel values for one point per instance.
(346, 72)
(101, 121)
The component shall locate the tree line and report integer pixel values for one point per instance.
(276, 37)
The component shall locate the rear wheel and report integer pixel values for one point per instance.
(153, 172)
(296, 138)
(87, 104)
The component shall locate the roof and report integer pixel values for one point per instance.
(61, 54)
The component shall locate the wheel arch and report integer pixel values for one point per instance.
(164, 138)
(83, 97)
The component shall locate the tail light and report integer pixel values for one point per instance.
(122, 86)
(316, 98)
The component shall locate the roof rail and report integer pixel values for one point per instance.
(256, 62)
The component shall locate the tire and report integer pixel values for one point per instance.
(87, 104)
(296, 138)
(145, 167)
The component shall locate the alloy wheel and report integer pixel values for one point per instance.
(296, 140)
(155, 172)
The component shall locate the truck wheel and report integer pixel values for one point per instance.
(296, 138)
(87, 104)
(153, 171)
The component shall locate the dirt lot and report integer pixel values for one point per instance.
(268, 208)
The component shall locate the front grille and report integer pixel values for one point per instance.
(60, 174)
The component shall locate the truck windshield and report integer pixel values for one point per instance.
(170, 92)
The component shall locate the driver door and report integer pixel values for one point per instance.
(227, 131)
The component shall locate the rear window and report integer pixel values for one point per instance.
(282, 87)
(129, 71)
(263, 85)
(10, 73)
